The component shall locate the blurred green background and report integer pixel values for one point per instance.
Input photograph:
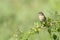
(23, 13)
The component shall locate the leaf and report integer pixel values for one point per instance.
(58, 29)
(54, 36)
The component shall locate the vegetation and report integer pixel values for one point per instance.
(19, 20)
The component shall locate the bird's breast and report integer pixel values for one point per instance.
(41, 18)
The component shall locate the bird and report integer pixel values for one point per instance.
(42, 18)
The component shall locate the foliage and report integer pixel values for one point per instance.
(24, 13)
(50, 27)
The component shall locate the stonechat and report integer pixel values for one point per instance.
(42, 17)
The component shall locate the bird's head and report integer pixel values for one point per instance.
(40, 13)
